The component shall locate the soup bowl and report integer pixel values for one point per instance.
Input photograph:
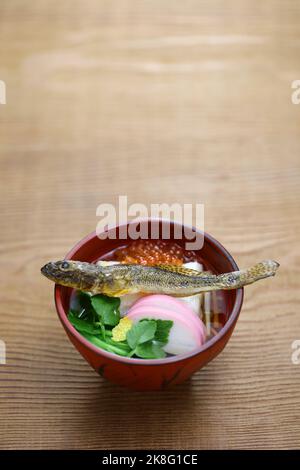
(150, 374)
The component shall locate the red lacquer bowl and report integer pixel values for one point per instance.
(150, 374)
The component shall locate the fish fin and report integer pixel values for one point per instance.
(115, 293)
(180, 270)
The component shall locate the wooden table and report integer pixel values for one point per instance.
(163, 102)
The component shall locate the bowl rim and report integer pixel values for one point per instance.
(138, 361)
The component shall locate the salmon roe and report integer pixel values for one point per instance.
(151, 253)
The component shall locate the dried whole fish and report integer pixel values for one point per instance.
(120, 279)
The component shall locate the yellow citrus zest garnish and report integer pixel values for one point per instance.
(119, 332)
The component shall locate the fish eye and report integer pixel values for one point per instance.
(65, 265)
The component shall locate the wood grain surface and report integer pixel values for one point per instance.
(163, 101)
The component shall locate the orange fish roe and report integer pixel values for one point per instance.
(151, 253)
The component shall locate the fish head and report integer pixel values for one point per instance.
(76, 274)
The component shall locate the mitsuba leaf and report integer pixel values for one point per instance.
(141, 332)
(163, 328)
(83, 325)
(107, 309)
(103, 345)
(150, 350)
(81, 305)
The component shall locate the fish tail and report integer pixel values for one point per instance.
(237, 279)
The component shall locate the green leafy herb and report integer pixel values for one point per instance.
(147, 337)
(83, 326)
(162, 332)
(95, 315)
(107, 309)
(163, 328)
(102, 344)
(150, 350)
(81, 306)
(141, 332)
(121, 345)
